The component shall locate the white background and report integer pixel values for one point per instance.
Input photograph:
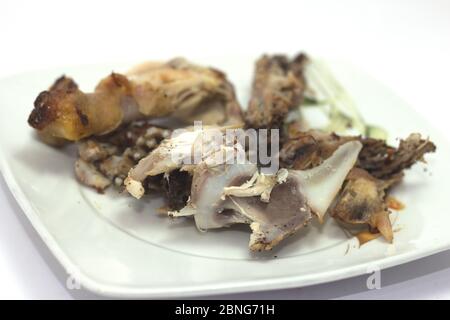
(405, 44)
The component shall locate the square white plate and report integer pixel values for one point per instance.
(115, 245)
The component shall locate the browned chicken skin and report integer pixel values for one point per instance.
(362, 201)
(176, 88)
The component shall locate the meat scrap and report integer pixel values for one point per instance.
(385, 162)
(308, 149)
(278, 87)
(362, 199)
(112, 156)
(293, 200)
(178, 151)
(89, 175)
(223, 193)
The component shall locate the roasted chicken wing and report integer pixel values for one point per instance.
(177, 88)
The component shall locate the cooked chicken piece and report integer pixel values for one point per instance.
(206, 194)
(271, 222)
(171, 154)
(113, 155)
(379, 166)
(308, 149)
(275, 207)
(116, 166)
(176, 88)
(278, 87)
(305, 150)
(91, 150)
(362, 201)
(331, 173)
(88, 174)
(184, 150)
(384, 162)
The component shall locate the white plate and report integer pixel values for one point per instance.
(119, 246)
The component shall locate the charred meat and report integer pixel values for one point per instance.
(363, 197)
(177, 189)
(307, 149)
(278, 87)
